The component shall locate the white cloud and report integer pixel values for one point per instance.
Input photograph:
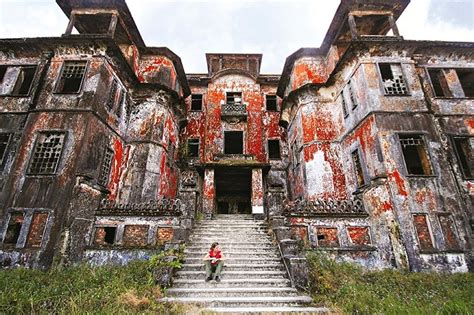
(275, 28)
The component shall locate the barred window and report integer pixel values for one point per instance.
(392, 79)
(72, 76)
(112, 94)
(358, 168)
(415, 155)
(352, 95)
(46, 153)
(4, 141)
(106, 167)
(344, 105)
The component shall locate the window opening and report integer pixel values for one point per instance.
(47, 153)
(234, 98)
(274, 149)
(109, 236)
(352, 95)
(466, 78)
(344, 105)
(24, 81)
(71, 77)
(358, 168)
(121, 101)
(3, 71)
(271, 102)
(4, 141)
(193, 148)
(392, 78)
(14, 228)
(423, 232)
(415, 155)
(440, 85)
(233, 142)
(463, 149)
(112, 94)
(196, 102)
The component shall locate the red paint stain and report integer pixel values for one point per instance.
(116, 167)
(395, 175)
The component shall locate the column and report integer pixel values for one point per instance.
(257, 191)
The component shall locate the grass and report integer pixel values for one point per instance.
(350, 289)
(84, 289)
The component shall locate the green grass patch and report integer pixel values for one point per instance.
(85, 289)
(350, 289)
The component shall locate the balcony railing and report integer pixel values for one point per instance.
(333, 208)
(234, 110)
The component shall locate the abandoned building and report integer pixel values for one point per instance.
(362, 148)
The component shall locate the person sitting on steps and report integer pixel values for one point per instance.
(214, 261)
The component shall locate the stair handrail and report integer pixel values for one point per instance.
(293, 284)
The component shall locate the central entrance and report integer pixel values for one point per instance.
(233, 190)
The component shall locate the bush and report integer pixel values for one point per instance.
(349, 288)
(84, 289)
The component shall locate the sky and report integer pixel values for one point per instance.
(275, 28)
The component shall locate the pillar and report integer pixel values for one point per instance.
(209, 193)
(257, 191)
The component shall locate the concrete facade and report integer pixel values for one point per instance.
(361, 147)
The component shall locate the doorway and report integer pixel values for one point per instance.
(233, 190)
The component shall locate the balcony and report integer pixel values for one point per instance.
(234, 110)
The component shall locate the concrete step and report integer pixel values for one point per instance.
(231, 292)
(252, 261)
(240, 274)
(249, 301)
(237, 267)
(233, 247)
(280, 310)
(229, 242)
(237, 255)
(231, 282)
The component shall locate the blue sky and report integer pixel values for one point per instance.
(275, 28)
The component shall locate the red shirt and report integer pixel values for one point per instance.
(216, 255)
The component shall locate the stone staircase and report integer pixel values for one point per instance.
(254, 278)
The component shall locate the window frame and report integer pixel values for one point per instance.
(38, 133)
(279, 149)
(58, 79)
(101, 169)
(235, 93)
(21, 66)
(456, 154)
(430, 232)
(201, 105)
(363, 172)
(243, 142)
(4, 157)
(276, 103)
(188, 147)
(28, 215)
(427, 152)
(381, 82)
(369, 233)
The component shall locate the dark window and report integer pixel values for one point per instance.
(358, 168)
(196, 102)
(392, 79)
(13, 228)
(193, 148)
(352, 95)
(415, 155)
(233, 142)
(344, 105)
(109, 237)
(327, 237)
(106, 166)
(440, 85)
(112, 94)
(423, 232)
(3, 70)
(271, 102)
(46, 153)
(4, 141)
(24, 81)
(274, 149)
(71, 77)
(234, 98)
(466, 78)
(463, 149)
